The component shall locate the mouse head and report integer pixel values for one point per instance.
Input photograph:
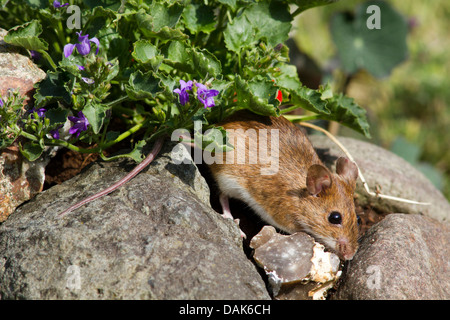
(331, 206)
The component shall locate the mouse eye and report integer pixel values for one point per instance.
(335, 217)
(359, 220)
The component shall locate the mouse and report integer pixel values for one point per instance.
(300, 194)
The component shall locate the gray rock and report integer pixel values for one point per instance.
(20, 180)
(17, 71)
(405, 256)
(395, 176)
(151, 239)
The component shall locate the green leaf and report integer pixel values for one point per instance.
(345, 111)
(178, 55)
(311, 100)
(306, 4)
(52, 88)
(328, 106)
(288, 77)
(229, 3)
(41, 4)
(161, 23)
(272, 19)
(214, 140)
(147, 54)
(26, 36)
(239, 34)
(102, 23)
(57, 116)
(223, 98)
(96, 114)
(100, 18)
(199, 18)
(143, 85)
(257, 95)
(31, 150)
(376, 50)
(194, 61)
(305, 97)
(165, 16)
(205, 63)
(107, 4)
(71, 63)
(168, 83)
(137, 154)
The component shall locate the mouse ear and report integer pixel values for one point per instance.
(317, 179)
(346, 169)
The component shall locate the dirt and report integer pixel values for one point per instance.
(65, 165)
(368, 217)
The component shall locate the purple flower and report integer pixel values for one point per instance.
(35, 55)
(40, 112)
(55, 132)
(1, 102)
(80, 124)
(205, 95)
(83, 47)
(81, 68)
(182, 92)
(88, 80)
(58, 4)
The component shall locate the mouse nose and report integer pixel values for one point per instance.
(345, 249)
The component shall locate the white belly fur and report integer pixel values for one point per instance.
(231, 188)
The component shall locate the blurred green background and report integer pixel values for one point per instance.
(409, 111)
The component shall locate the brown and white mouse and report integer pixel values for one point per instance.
(301, 194)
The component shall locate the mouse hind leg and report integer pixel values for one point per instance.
(226, 212)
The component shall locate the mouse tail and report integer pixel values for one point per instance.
(150, 157)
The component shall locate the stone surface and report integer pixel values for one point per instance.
(20, 180)
(395, 177)
(405, 256)
(296, 266)
(17, 71)
(151, 239)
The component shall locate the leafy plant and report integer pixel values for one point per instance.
(377, 51)
(129, 61)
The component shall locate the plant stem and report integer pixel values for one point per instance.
(298, 11)
(63, 143)
(49, 59)
(117, 101)
(297, 118)
(99, 148)
(19, 131)
(123, 136)
(292, 108)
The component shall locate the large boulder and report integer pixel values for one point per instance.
(155, 238)
(405, 256)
